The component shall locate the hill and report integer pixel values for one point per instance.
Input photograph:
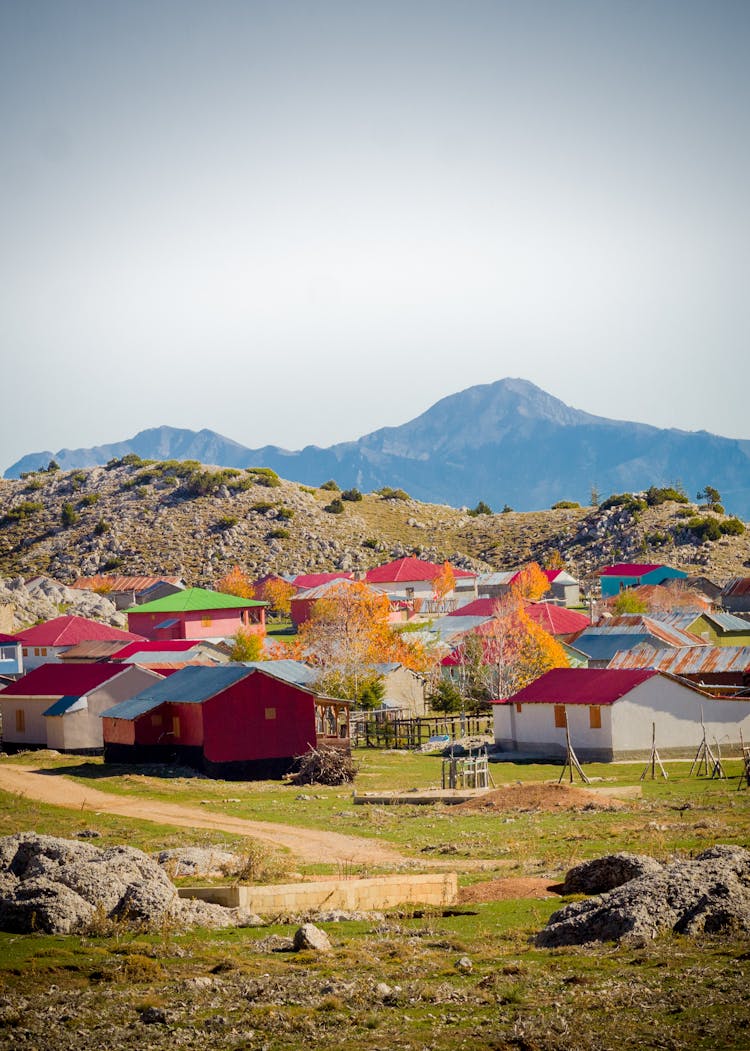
(196, 521)
(507, 442)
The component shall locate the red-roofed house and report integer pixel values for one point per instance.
(45, 642)
(610, 714)
(59, 705)
(414, 578)
(626, 575)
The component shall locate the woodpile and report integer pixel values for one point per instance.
(324, 766)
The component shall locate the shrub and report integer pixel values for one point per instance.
(111, 563)
(33, 484)
(89, 500)
(481, 509)
(284, 512)
(22, 511)
(564, 505)
(626, 501)
(336, 507)
(101, 527)
(506, 509)
(351, 494)
(68, 515)
(704, 528)
(655, 496)
(278, 534)
(52, 466)
(386, 493)
(261, 506)
(370, 543)
(732, 527)
(226, 522)
(331, 486)
(307, 489)
(264, 476)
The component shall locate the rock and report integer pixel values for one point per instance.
(709, 894)
(153, 1016)
(464, 965)
(88, 833)
(308, 936)
(602, 874)
(196, 861)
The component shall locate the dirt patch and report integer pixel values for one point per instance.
(541, 797)
(505, 889)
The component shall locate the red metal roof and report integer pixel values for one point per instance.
(480, 607)
(407, 569)
(163, 646)
(580, 686)
(738, 586)
(9, 640)
(557, 620)
(314, 580)
(629, 569)
(62, 680)
(68, 630)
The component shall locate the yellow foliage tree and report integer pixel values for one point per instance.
(236, 582)
(246, 646)
(517, 650)
(530, 583)
(444, 582)
(278, 594)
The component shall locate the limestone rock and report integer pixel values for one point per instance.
(308, 936)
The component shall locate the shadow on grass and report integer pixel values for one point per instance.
(102, 771)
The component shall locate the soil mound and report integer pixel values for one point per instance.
(602, 874)
(540, 797)
(60, 886)
(710, 894)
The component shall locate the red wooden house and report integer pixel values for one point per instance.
(231, 721)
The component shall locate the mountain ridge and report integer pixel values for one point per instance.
(507, 442)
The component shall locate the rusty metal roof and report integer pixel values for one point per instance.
(96, 650)
(696, 660)
(737, 586)
(639, 624)
(115, 582)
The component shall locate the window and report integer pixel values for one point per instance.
(206, 621)
(36, 651)
(156, 720)
(519, 708)
(270, 713)
(44, 651)
(25, 651)
(560, 716)
(595, 717)
(20, 720)
(176, 725)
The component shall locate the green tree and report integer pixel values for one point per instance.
(628, 602)
(446, 697)
(68, 515)
(709, 495)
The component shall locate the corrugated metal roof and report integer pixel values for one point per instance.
(495, 579)
(604, 647)
(631, 569)
(403, 570)
(556, 620)
(193, 600)
(119, 582)
(737, 586)
(329, 587)
(295, 672)
(160, 645)
(69, 630)
(67, 704)
(94, 650)
(314, 580)
(698, 660)
(480, 607)
(9, 640)
(727, 622)
(448, 627)
(580, 686)
(59, 680)
(192, 685)
(637, 623)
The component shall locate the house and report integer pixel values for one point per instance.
(610, 715)
(60, 705)
(405, 690)
(196, 613)
(233, 721)
(11, 655)
(735, 595)
(413, 579)
(47, 642)
(600, 642)
(127, 591)
(302, 604)
(718, 629)
(303, 581)
(564, 589)
(715, 669)
(614, 579)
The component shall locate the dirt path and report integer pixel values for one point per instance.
(312, 845)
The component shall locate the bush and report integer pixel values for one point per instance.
(226, 522)
(22, 511)
(446, 697)
(626, 501)
(33, 484)
(101, 527)
(278, 534)
(264, 476)
(284, 512)
(111, 563)
(655, 496)
(89, 500)
(261, 506)
(704, 528)
(386, 493)
(336, 507)
(351, 494)
(331, 486)
(481, 509)
(732, 527)
(506, 509)
(68, 515)
(565, 505)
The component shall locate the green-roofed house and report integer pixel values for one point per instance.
(196, 613)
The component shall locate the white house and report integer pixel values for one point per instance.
(610, 715)
(414, 579)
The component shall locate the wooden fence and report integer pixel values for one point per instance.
(370, 732)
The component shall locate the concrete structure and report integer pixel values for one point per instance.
(614, 579)
(233, 721)
(60, 705)
(610, 714)
(375, 894)
(196, 613)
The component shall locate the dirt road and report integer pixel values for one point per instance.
(311, 845)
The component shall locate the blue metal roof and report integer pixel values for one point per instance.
(603, 647)
(191, 685)
(67, 704)
(295, 672)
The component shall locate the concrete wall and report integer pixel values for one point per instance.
(381, 892)
(533, 730)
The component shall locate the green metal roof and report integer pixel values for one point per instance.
(194, 600)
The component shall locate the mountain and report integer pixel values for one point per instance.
(507, 443)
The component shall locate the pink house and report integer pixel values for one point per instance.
(197, 613)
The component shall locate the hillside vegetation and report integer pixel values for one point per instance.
(136, 516)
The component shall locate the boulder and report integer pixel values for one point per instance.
(308, 936)
(709, 894)
(602, 874)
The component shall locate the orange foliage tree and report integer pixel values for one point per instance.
(347, 634)
(444, 582)
(530, 583)
(278, 594)
(517, 650)
(236, 582)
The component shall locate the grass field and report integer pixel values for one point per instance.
(391, 982)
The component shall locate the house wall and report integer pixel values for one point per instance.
(405, 689)
(34, 656)
(34, 733)
(613, 585)
(705, 629)
(565, 593)
(83, 730)
(258, 718)
(11, 660)
(533, 730)
(210, 624)
(465, 589)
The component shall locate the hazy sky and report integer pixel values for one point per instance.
(297, 222)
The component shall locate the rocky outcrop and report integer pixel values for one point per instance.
(603, 874)
(43, 599)
(710, 894)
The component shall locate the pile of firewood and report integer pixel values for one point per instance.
(324, 766)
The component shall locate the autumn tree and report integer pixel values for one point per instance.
(246, 646)
(278, 593)
(516, 650)
(554, 560)
(236, 582)
(530, 583)
(444, 582)
(348, 632)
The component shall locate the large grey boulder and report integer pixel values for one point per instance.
(602, 874)
(709, 894)
(310, 937)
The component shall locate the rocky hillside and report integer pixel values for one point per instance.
(196, 521)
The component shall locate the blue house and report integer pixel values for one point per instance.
(11, 655)
(614, 579)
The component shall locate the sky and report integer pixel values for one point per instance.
(296, 222)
